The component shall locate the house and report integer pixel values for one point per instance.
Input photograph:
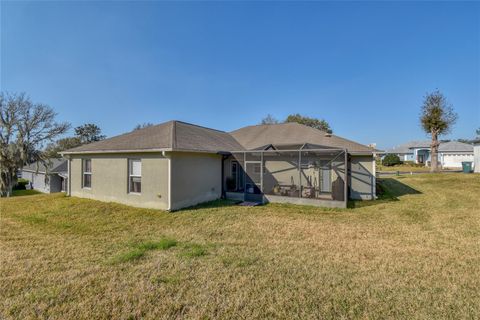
(176, 164)
(476, 161)
(48, 177)
(416, 151)
(451, 154)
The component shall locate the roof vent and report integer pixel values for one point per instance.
(328, 134)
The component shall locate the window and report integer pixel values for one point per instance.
(134, 176)
(87, 173)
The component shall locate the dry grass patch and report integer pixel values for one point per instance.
(412, 254)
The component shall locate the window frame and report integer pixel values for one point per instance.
(130, 175)
(84, 172)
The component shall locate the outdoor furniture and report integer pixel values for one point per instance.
(308, 192)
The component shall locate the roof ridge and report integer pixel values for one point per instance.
(276, 124)
(199, 126)
(338, 137)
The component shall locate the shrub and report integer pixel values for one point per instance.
(412, 164)
(21, 183)
(391, 160)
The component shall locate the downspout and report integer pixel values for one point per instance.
(69, 184)
(345, 191)
(374, 185)
(169, 163)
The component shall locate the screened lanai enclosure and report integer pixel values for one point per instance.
(295, 174)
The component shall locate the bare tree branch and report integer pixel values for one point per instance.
(24, 128)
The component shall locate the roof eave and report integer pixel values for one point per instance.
(34, 171)
(142, 151)
(362, 153)
(116, 151)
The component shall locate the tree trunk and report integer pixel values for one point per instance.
(8, 181)
(10, 191)
(434, 153)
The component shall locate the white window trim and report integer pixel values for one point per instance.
(88, 173)
(131, 175)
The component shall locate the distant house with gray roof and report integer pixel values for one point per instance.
(451, 154)
(476, 156)
(46, 176)
(176, 164)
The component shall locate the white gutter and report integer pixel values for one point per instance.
(374, 165)
(141, 151)
(116, 151)
(69, 185)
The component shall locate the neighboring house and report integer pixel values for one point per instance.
(47, 177)
(176, 164)
(453, 153)
(405, 151)
(476, 152)
(450, 154)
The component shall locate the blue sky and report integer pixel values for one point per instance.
(362, 66)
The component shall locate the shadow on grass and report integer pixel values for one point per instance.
(220, 203)
(388, 190)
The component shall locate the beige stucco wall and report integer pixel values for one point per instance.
(476, 152)
(362, 178)
(196, 178)
(190, 178)
(110, 179)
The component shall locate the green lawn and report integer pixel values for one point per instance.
(408, 168)
(413, 254)
(19, 193)
(403, 168)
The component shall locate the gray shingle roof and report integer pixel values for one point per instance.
(181, 136)
(403, 148)
(420, 144)
(455, 146)
(451, 146)
(170, 136)
(253, 137)
(407, 147)
(54, 166)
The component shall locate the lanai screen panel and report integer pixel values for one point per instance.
(316, 174)
(281, 175)
(338, 165)
(303, 173)
(239, 184)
